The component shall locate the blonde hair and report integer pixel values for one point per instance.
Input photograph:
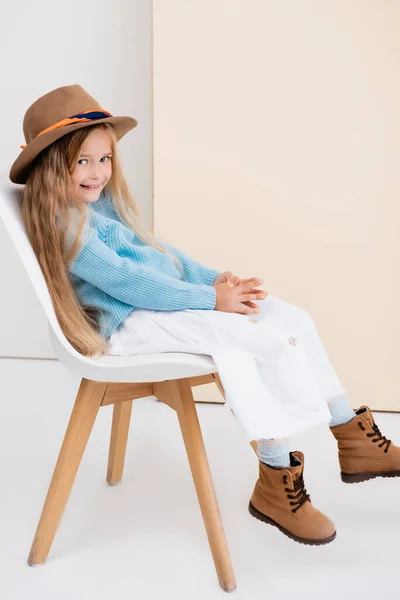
(52, 213)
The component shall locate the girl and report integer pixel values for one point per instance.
(117, 289)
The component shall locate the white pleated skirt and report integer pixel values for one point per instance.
(277, 376)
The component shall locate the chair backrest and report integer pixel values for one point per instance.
(10, 214)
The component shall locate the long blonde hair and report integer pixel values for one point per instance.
(52, 211)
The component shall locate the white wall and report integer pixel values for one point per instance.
(106, 48)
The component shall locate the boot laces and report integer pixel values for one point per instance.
(298, 493)
(377, 436)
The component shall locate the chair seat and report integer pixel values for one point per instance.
(138, 368)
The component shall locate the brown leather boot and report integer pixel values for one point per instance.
(280, 499)
(364, 453)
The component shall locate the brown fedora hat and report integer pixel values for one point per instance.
(54, 115)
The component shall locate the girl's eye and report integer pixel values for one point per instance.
(84, 160)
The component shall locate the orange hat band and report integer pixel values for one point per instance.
(88, 115)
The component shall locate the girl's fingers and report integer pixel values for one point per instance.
(245, 287)
(262, 293)
(247, 310)
(257, 280)
(233, 281)
(248, 297)
(252, 305)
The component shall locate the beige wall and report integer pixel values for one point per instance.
(276, 149)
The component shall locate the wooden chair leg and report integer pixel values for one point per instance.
(119, 437)
(183, 402)
(80, 425)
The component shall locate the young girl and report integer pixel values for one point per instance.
(117, 289)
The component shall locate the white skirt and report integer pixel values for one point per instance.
(275, 371)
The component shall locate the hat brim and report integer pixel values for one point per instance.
(20, 169)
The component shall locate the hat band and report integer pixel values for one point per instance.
(88, 115)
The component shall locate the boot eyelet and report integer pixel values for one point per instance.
(293, 511)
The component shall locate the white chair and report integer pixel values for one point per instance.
(118, 381)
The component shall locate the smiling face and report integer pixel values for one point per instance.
(93, 168)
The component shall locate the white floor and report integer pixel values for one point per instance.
(145, 539)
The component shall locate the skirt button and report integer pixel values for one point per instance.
(292, 341)
(253, 320)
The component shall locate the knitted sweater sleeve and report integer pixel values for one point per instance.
(194, 271)
(136, 284)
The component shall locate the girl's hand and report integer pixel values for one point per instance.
(238, 298)
(226, 276)
(234, 280)
(256, 282)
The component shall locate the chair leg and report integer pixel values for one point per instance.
(83, 416)
(119, 437)
(185, 407)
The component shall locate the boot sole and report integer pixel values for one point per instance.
(307, 542)
(359, 477)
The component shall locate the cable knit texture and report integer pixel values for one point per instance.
(117, 272)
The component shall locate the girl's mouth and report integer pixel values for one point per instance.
(90, 187)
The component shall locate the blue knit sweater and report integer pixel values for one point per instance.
(117, 272)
